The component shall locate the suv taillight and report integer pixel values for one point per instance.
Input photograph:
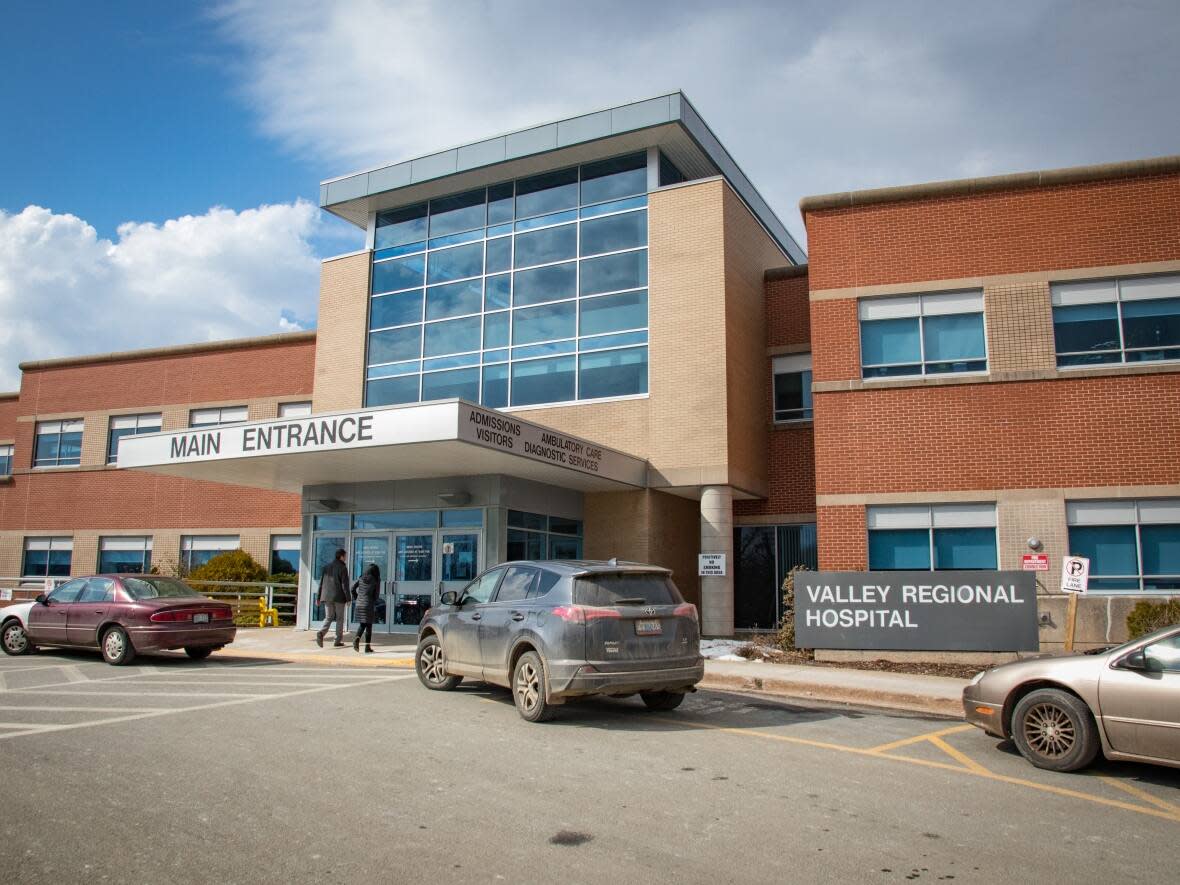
(686, 610)
(580, 614)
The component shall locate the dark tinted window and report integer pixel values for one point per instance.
(547, 582)
(611, 588)
(516, 584)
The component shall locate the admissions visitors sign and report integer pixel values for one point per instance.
(917, 611)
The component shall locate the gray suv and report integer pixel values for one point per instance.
(556, 630)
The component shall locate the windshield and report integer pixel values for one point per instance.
(625, 589)
(1116, 649)
(153, 588)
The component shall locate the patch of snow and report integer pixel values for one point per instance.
(722, 649)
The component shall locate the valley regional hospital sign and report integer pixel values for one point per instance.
(920, 611)
(443, 422)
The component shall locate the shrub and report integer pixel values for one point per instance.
(786, 633)
(232, 565)
(1147, 617)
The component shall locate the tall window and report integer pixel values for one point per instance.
(197, 550)
(943, 536)
(59, 443)
(1131, 545)
(792, 388)
(536, 536)
(129, 425)
(214, 416)
(284, 554)
(763, 555)
(124, 555)
(5, 460)
(47, 557)
(1117, 321)
(922, 335)
(527, 292)
(294, 410)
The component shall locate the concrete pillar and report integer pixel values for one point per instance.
(717, 537)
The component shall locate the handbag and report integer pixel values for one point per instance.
(355, 584)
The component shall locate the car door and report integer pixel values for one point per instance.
(89, 611)
(1141, 708)
(461, 634)
(48, 620)
(502, 617)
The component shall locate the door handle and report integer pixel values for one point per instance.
(518, 616)
(476, 616)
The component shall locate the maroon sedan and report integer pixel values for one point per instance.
(120, 615)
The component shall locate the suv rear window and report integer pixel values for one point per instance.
(617, 589)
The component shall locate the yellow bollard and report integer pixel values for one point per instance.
(267, 614)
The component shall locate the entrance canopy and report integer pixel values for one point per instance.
(448, 438)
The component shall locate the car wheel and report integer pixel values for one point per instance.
(116, 647)
(662, 700)
(15, 640)
(528, 688)
(1054, 729)
(431, 665)
(198, 653)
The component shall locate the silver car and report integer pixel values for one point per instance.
(556, 630)
(1060, 711)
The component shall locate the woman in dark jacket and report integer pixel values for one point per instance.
(366, 591)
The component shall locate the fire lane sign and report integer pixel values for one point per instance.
(1075, 574)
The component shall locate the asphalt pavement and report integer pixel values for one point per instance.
(240, 770)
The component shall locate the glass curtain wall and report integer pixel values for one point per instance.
(764, 555)
(527, 292)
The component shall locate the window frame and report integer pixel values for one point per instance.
(913, 517)
(112, 440)
(299, 406)
(7, 451)
(792, 364)
(124, 542)
(55, 543)
(192, 540)
(1076, 516)
(274, 548)
(1109, 290)
(61, 431)
(221, 420)
(919, 301)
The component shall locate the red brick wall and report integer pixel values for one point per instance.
(281, 369)
(130, 499)
(788, 318)
(9, 409)
(1121, 430)
(791, 474)
(1117, 221)
(842, 538)
(835, 354)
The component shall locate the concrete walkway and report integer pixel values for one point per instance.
(932, 695)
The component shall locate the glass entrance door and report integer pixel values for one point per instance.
(372, 550)
(413, 578)
(323, 551)
(460, 559)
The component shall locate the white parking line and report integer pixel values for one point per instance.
(304, 684)
(132, 717)
(41, 709)
(159, 694)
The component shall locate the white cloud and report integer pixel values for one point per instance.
(809, 96)
(225, 274)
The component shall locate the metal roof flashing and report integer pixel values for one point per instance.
(668, 122)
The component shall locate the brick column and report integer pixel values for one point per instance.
(717, 537)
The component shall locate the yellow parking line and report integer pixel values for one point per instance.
(918, 738)
(977, 771)
(1142, 794)
(958, 755)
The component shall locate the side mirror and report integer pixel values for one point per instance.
(1140, 660)
(449, 597)
(41, 599)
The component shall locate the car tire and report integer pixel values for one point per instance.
(198, 652)
(116, 647)
(15, 640)
(430, 663)
(528, 688)
(662, 701)
(1054, 730)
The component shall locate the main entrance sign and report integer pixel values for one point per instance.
(921, 611)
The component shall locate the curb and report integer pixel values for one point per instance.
(840, 694)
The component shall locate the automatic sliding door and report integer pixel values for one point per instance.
(413, 577)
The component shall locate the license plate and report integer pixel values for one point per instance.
(201, 618)
(651, 627)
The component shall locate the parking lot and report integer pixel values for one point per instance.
(238, 770)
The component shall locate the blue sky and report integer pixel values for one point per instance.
(161, 160)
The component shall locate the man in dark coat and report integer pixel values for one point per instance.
(334, 596)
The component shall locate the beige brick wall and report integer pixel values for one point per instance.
(340, 338)
(622, 424)
(1019, 321)
(749, 253)
(1018, 519)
